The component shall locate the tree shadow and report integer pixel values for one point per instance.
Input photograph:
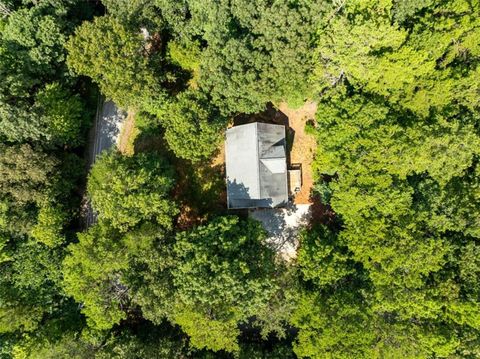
(322, 213)
(283, 226)
(238, 197)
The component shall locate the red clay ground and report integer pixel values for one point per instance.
(303, 148)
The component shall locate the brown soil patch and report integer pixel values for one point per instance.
(219, 159)
(303, 147)
(127, 136)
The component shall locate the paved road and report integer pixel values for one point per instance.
(103, 136)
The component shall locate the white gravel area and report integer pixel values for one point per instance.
(283, 226)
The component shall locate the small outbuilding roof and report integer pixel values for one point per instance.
(256, 166)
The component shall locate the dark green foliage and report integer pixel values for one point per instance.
(119, 66)
(394, 275)
(217, 271)
(322, 259)
(28, 179)
(257, 52)
(32, 54)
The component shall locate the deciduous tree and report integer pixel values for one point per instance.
(128, 190)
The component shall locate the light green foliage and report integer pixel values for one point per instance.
(429, 66)
(205, 331)
(30, 275)
(342, 324)
(396, 181)
(62, 114)
(374, 153)
(193, 127)
(321, 258)
(187, 56)
(108, 271)
(128, 190)
(69, 346)
(115, 58)
(223, 276)
(339, 325)
(93, 275)
(50, 223)
(394, 275)
(16, 316)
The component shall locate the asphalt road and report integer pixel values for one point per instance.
(104, 136)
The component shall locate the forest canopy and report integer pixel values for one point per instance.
(133, 253)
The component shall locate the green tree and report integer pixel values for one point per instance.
(128, 190)
(50, 225)
(93, 275)
(116, 58)
(29, 178)
(110, 272)
(322, 259)
(223, 276)
(29, 285)
(32, 54)
(193, 127)
(395, 179)
(339, 326)
(429, 64)
(255, 52)
(62, 114)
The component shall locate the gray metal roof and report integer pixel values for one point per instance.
(256, 166)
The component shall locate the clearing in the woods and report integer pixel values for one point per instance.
(303, 146)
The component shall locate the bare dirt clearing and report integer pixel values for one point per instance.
(127, 136)
(303, 147)
(302, 150)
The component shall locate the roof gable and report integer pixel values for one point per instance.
(256, 166)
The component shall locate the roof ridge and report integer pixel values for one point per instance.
(257, 162)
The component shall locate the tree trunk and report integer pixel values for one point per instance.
(4, 10)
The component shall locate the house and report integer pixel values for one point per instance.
(256, 166)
